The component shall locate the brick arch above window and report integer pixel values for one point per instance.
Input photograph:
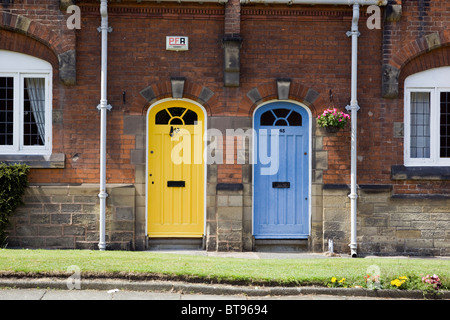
(419, 46)
(13, 41)
(434, 59)
(64, 51)
(420, 54)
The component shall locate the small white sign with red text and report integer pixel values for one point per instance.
(177, 43)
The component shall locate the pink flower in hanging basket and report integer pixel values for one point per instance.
(333, 118)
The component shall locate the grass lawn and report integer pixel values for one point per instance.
(142, 265)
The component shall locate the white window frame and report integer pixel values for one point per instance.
(433, 81)
(20, 66)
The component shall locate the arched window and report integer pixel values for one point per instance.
(427, 118)
(25, 104)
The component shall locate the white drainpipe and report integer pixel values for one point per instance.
(103, 107)
(353, 107)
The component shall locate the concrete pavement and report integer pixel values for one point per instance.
(116, 294)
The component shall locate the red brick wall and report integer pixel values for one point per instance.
(136, 58)
(296, 47)
(314, 52)
(306, 44)
(47, 23)
(233, 17)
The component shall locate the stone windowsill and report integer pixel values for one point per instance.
(421, 196)
(400, 172)
(53, 161)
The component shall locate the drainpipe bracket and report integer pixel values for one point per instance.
(350, 108)
(109, 29)
(350, 33)
(107, 107)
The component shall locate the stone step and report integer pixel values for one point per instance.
(175, 243)
(281, 245)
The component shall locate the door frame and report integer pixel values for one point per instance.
(205, 127)
(301, 105)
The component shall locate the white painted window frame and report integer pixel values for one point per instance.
(20, 66)
(433, 81)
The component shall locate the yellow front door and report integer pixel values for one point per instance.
(176, 175)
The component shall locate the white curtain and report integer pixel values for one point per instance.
(36, 93)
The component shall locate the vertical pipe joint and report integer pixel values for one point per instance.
(104, 9)
(355, 18)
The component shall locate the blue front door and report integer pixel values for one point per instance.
(281, 172)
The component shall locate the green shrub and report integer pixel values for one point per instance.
(13, 181)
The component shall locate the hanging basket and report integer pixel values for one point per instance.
(332, 129)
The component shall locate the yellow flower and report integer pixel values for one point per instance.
(333, 280)
(397, 282)
(342, 280)
(403, 278)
